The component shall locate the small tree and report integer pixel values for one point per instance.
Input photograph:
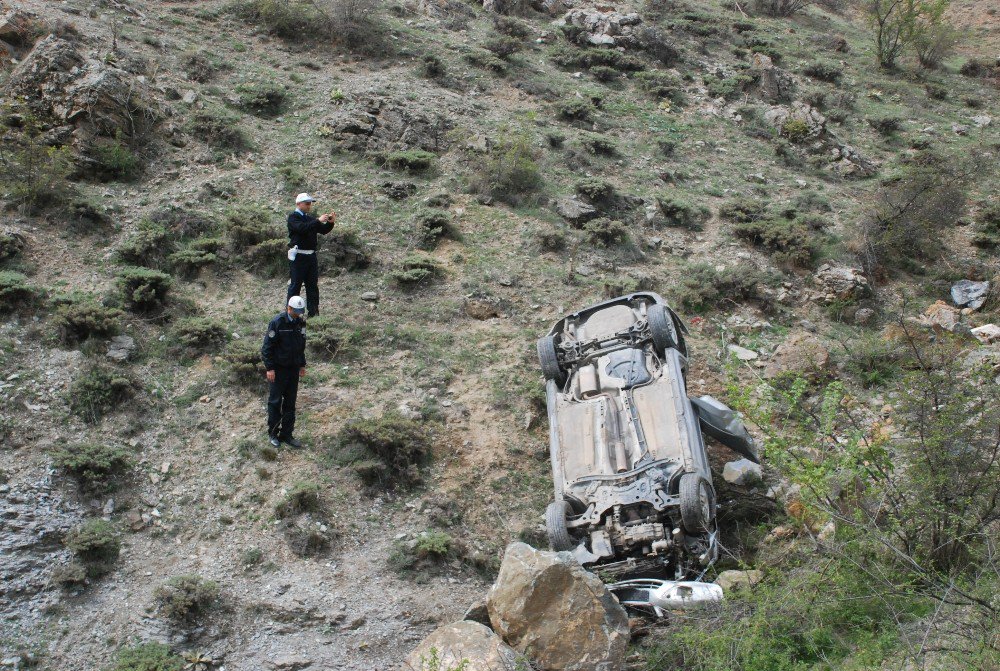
(932, 38)
(891, 21)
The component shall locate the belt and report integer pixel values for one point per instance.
(305, 251)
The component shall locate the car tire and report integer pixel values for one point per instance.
(555, 525)
(662, 328)
(697, 503)
(549, 360)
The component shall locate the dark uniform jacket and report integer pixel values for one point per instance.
(284, 343)
(302, 230)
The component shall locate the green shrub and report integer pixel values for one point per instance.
(243, 363)
(114, 160)
(603, 73)
(251, 557)
(96, 545)
(875, 360)
(199, 66)
(303, 497)
(263, 98)
(598, 145)
(503, 46)
(596, 190)
(358, 25)
(248, 225)
(415, 269)
(386, 451)
(483, 58)
(702, 287)
(987, 230)
(84, 216)
(432, 67)
(788, 241)
(149, 246)
(33, 173)
(324, 339)
(99, 389)
(199, 334)
(79, 320)
(823, 71)
(143, 289)
(431, 227)
(219, 128)
(604, 232)
(796, 130)
(552, 238)
(187, 262)
(413, 160)
(574, 57)
(185, 598)
(727, 87)
(743, 210)
(508, 171)
(148, 657)
(11, 245)
(575, 109)
(681, 214)
(95, 466)
(661, 85)
(885, 125)
(14, 291)
(512, 27)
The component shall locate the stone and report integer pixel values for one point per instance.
(969, 294)
(742, 353)
(478, 612)
(864, 316)
(399, 190)
(290, 663)
(738, 579)
(987, 334)
(370, 297)
(468, 644)
(841, 283)
(481, 309)
(742, 472)
(801, 353)
(982, 120)
(575, 211)
(547, 606)
(121, 347)
(940, 315)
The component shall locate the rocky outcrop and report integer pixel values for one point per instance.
(372, 123)
(969, 294)
(742, 472)
(575, 211)
(801, 354)
(547, 606)
(987, 334)
(466, 644)
(940, 315)
(840, 283)
(601, 27)
(812, 135)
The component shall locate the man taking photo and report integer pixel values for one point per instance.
(303, 265)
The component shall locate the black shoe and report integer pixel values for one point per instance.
(274, 441)
(292, 442)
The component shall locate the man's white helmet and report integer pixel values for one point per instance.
(297, 304)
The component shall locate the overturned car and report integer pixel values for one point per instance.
(633, 488)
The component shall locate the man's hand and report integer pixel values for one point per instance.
(302, 371)
(270, 376)
(329, 218)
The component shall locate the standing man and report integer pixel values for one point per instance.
(284, 354)
(303, 266)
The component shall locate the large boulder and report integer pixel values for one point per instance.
(969, 294)
(600, 26)
(373, 123)
(840, 283)
(468, 642)
(940, 315)
(801, 354)
(547, 606)
(575, 211)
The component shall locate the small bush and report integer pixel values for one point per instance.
(303, 497)
(503, 46)
(185, 598)
(415, 269)
(95, 466)
(681, 214)
(96, 545)
(728, 88)
(936, 92)
(14, 291)
(99, 389)
(483, 58)
(509, 171)
(604, 232)
(143, 289)
(603, 73)
(33, 173)
(703, 287)
(987, 230)
(575, 109)
(263, 98)
(432, 67)
(780, 7)
(661, 85)
(386, 451)
(324, 339)
(187, 262)
(220, 129)
(512, 27)
(553, 239)
(796, 130)
(875, 360)
(975, 67)
(432, 227)
(743, 210)
(243, 362)
(148, 657)
(198, 66)
(598, 145)
(358, 25)
(573, 57)
(149, 246)
(199, 334)
(824, 71)
(657, 44)
(80, 320)
(886, 125)
(413, 160)
(11, 244)
(114, 160)
(595, 190)
(788, 241)
(84, 216)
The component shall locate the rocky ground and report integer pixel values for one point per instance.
(454, 352)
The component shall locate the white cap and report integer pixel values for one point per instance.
(297, 304)
(304, 198)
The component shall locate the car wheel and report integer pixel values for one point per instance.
(662, 328)
(555, 524)
(697, 503)
(549, 360)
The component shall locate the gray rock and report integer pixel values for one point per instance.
(864, 316)
(290, 663)
(574, 210)
(121, 347)
(841, 283)
(465, 644)
(735, 579)
(478, 612)
(742, 353)
(370, 296)
(547, 606)
(743, 472)
(987, 334)
(969, 294)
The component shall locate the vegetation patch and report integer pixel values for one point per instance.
(679, 213)
(242, 361)
(15, 292)
(186, 598)
(81, 320)
(148, 657)
(704, 287)
(99, 389)
(415, 269)
(385, 452)
(96, 544)
(97, 467)
(411, 160)
(787, 240)
(197, 335)
(509, 171)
